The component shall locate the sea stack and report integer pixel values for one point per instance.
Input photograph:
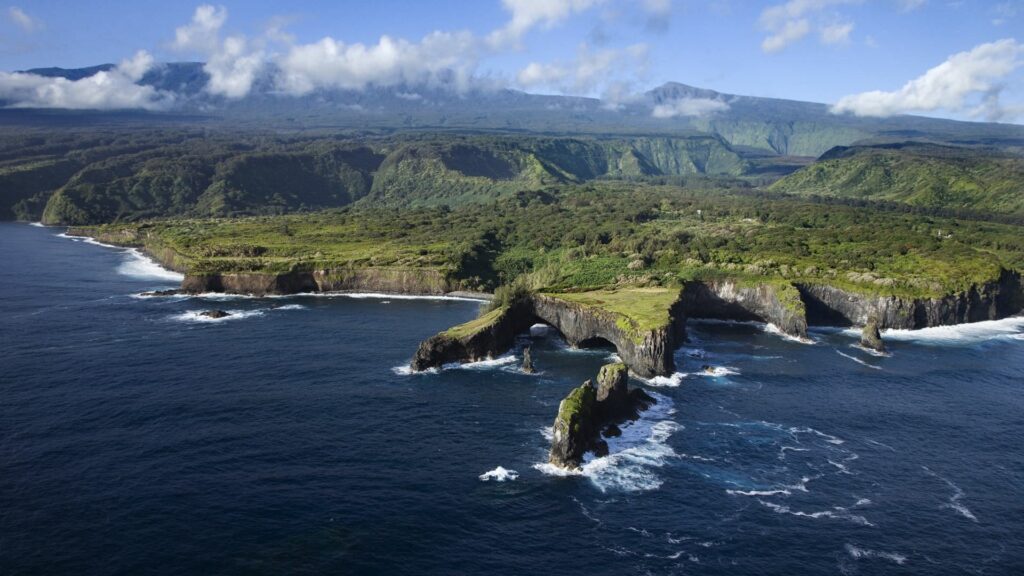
(215, 314)
(527, 361)
(588, 411)
(871, 337)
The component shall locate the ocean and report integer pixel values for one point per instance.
(137, 437)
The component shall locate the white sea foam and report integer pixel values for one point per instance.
(954, 503)
(776, 492)
(142, 267)
(634, 456)
(37, 224)
(870, 351)
(499, 474)
(672, 381)
(837, 513)
(776, 331)
(962, 334)
(860, 553)
(858, 361)
(482, 364)
(197, 316)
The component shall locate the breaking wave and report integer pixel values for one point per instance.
(499, 474)
(858, 553)
(858, 360)
(634, 457)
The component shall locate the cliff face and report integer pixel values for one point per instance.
(728, 300)
(647, 354)
(388, 280)
(480, 339)
(989, 301)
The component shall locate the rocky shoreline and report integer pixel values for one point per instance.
(791, 307)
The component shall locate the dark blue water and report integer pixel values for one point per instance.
(135, 439)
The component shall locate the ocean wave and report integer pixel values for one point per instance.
(500, 361)
(858, 360)
(676, 379)
(954, 503)
(961, 334)
(499, 474)
(142, 267)
(37, 224)
(837, 513)
(858, 553)
(197, 316)
(776, 331)
(634, 456)
(875, 353)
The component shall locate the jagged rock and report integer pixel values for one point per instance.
(215, 314)
(871, 337)
(587, 410)
(527, 361)
(573, 432)
(172, 292)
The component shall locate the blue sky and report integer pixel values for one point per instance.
(819, 50)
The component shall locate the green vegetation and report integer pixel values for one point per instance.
(477, 324)
(576, 408)
(637, 311)
(611, 236)
(950, 178)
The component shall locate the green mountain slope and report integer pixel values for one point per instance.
(925, 175)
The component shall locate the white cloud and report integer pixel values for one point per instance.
(528, 14)
(659, 13)
(836, 33)
(233, 64)
(591, 71)
(790, 32)
(967, 82)
(439, 58)
(688, 107)
(789, 22)
(1004, 12)
(108, 90)
(22, 20)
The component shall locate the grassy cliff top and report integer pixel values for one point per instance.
(611, 236)
(637, 310)
(477, 324)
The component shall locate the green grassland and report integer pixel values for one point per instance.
(613, 235)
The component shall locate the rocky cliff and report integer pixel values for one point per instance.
(389, 280)
(646, 353)
(993, 300)
(778, 304)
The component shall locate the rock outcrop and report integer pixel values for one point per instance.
(486, 337)
(827, 305)
(215, 314)
(647, 354)
(871, 337)
(527, 361)
(778, 304)
(588, 411)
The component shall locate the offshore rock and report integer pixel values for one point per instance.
(527, 361)
(215, 314)
(480, 339)
(871, 337)
(587, 411)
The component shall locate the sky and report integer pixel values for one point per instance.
(960, 59)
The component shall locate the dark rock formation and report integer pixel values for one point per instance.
(479, 339)
(647, 355)
(162, 293)
(989, 301)
(527, 361)
(728, 300)
(215, 314)
(587, 410)
(650, 355)
(871, 337)
(386, 280)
